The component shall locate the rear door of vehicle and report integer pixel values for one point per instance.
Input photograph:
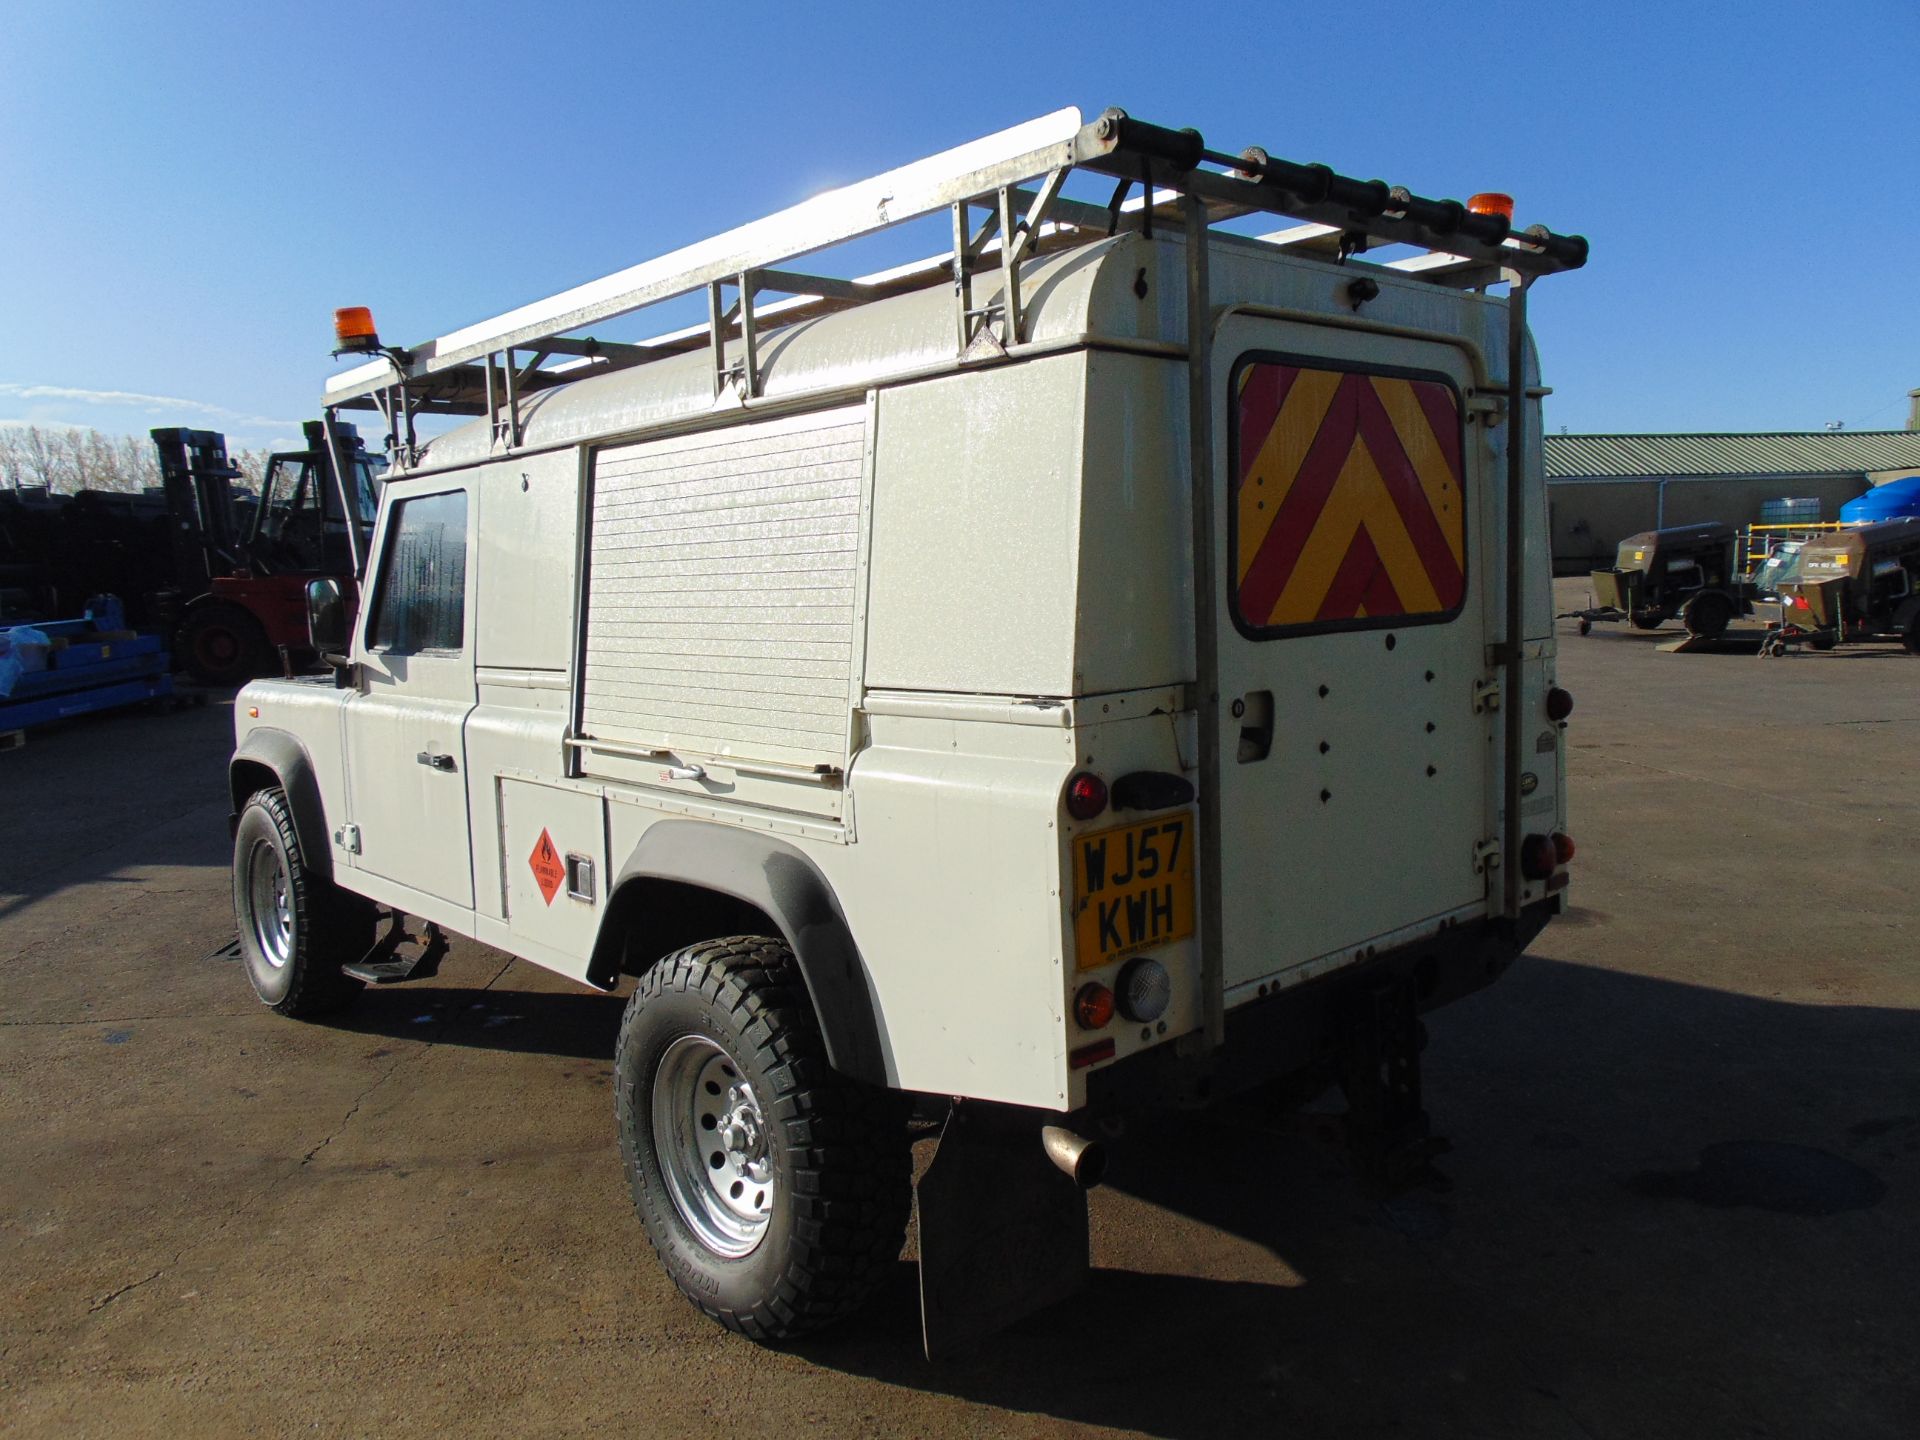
(1356, 770)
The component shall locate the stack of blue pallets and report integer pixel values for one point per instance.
(87, 667)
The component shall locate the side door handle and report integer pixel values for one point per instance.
(434, 760)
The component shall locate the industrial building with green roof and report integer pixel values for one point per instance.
(1602, 488)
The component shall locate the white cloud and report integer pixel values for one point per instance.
(133, 399)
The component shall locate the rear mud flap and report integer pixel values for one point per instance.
(1003, 1232)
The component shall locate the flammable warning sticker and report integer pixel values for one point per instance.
(548, 871)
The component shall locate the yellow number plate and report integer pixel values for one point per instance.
(1132, 888)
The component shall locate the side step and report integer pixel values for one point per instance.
(385, 964)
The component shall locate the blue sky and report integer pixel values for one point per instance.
(190, 188)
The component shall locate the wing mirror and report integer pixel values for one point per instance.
(327, 626)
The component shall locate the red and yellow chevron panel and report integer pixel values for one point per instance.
(1348, 503)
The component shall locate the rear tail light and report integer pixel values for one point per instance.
(1563, 848)
(1538, 857)
(1086, 795)
(1093, 1006)
(1559, 703)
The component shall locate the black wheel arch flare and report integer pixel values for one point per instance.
(280, 759)
(768, 874)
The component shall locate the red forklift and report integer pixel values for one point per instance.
(244, 577)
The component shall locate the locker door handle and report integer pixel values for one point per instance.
(434, 760)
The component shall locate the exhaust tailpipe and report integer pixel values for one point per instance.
(1081, 1160)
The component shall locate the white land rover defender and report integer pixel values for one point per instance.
(1106, 666)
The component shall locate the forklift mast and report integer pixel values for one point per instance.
(198, 480)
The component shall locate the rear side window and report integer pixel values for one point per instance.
(423, 579)
(1348, 509)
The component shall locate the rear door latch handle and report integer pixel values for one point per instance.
(435, 760)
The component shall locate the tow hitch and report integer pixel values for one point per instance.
(1387, 1132)
(1384, 1132)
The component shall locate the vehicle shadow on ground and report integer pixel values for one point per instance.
(571, 1025)
(1644, 1170)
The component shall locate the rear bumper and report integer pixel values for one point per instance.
(1296, 1030)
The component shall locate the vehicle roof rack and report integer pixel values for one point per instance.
(1014, 180)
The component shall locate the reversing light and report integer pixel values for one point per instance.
(1491, 202)
(1563, 848)
(1538, 857)
(1093, 1006)
(353, 331)
(1086, 795)
(1145, 989)
(1559, 703)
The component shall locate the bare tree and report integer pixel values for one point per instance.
(31, 457)
(252, 465)
(65, 460)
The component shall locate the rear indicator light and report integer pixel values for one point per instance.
(1559, 703)
(1145, 989)
(1093, 1006)
(1090, 1054)
(1538, 858)
(1086, 795)
(1563, 848)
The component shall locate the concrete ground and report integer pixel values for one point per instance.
(1686, 1195)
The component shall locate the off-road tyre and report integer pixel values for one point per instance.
(293, 956)
(220, 644)
(1911, 638)
(1822, 643)
(1648, 619)
(1708, 615)
(837, 1149)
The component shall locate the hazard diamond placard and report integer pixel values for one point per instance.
(548, 871)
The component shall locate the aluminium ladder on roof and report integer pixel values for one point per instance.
(1016, 177)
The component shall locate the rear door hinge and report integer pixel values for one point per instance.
(1486, 696)
(347, 837)
(1486, 856)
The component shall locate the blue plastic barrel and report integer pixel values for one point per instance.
(1884, 502)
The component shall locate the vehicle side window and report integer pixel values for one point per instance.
(422, 597)
(1347, 508)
